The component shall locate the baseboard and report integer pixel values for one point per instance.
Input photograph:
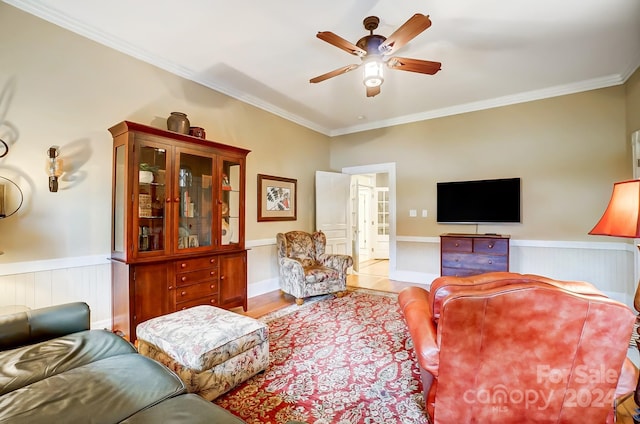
(412, 277)
(262, 287)
(104, 324)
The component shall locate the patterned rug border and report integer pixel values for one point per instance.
(291, 309)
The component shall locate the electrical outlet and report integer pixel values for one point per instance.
(413, 213)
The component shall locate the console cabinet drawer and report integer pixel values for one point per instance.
(491, 246)
(478, 262)
(457, 272)
(465, 254)
(453, 244)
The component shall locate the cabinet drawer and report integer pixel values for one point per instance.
(490, 245)
(481, 263)
(459, 272)
(201, 275)
(196, 263)
(450, 244)
(195, 291)
(210, 300)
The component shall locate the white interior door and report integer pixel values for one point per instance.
(365, 222)
(332, 210)
(380, 216)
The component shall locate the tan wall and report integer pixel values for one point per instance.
(57, 88)
(633, 102)
(568, 151)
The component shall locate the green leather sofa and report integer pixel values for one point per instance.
(53, 369)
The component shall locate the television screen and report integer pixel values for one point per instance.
(481, 201)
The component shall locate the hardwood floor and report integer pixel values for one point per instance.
(268, 302)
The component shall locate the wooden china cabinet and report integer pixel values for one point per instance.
(177, 226)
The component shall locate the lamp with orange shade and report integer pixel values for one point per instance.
(622, 219)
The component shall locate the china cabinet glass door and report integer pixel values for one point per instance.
(230, 197)
(151, 196)
(194, 195)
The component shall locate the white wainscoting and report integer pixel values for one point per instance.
(609, 266)
(45, 283)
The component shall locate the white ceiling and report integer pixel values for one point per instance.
(493, 52)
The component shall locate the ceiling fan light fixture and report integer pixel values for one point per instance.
(373, 72)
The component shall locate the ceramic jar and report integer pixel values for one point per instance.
(178, 122)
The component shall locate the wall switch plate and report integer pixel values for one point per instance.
(424, 213)
(413, 213)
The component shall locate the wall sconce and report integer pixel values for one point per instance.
(54, 168)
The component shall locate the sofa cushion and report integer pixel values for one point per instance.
(105, 391)
(27, 364)
(182, 409)
(32, 326)
(318, 273)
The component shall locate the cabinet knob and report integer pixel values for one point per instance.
(183, 265)
(213, 286)
(168, 200)
(222, 277)
(490, 262)
(170, 287)
(490, 245)
(212, 273)
(183, 293)
(184, 278)
(212, 301)
(177, 199)
(212, 260)
(457, 244)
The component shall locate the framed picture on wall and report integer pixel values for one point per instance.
(277, 198)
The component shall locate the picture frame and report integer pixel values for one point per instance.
(277, 198)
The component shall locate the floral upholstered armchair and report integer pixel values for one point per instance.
(306, 270)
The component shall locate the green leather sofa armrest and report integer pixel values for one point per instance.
(41, 324)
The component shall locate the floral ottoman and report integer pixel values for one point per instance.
(211, 349)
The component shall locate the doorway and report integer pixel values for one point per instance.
(338, 212)
(370, 199)
(373, 218)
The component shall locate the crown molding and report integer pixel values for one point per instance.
(524, 97)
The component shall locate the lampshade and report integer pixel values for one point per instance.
(622, 216)
(373, 76)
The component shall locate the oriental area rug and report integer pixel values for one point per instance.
(335, 360)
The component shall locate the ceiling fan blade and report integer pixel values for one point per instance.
(334, 73)
(414, 26)
(414, 65)
(341, 43)
(373, 91)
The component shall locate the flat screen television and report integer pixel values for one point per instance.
(480, 201)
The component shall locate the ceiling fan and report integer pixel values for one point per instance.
(376, 50)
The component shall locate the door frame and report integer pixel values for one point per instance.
(390, 169)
